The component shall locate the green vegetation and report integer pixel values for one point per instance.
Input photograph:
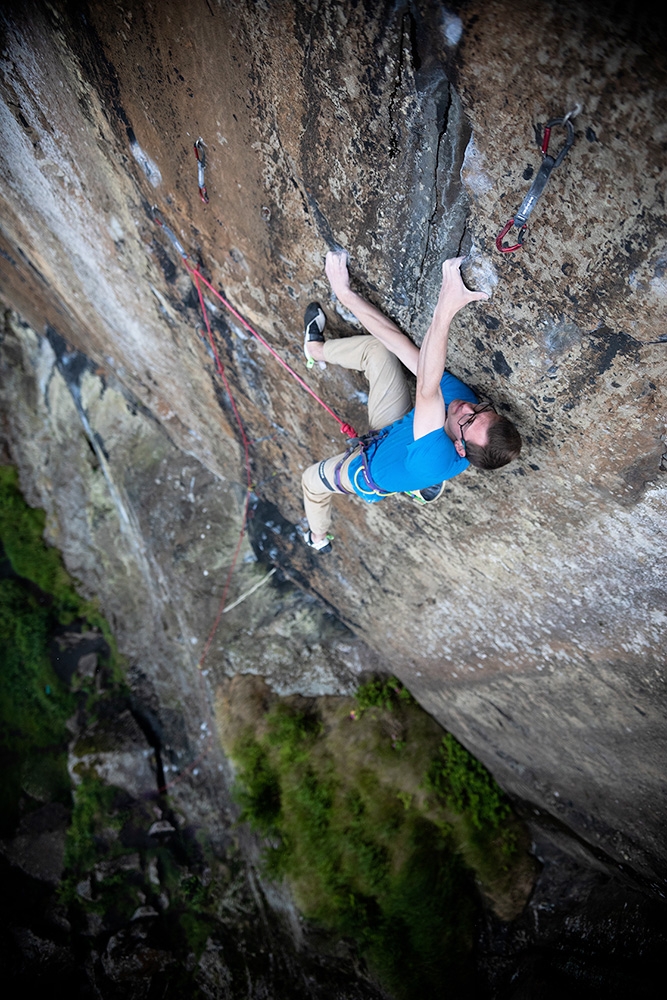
(381, 826)
(21, 534)
(34, 704)
(108, 865)
(381, 693)
(110, 869)
(94, 855)
(37, 598)
(467, 787)
(91, 819)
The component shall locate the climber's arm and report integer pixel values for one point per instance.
(371, 318)
(429, 403)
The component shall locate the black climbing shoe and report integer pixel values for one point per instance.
(427, 495)
(323, 546)
(314, 322)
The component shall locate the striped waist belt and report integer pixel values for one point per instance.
(359, 478)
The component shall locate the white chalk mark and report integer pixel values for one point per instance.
(149, 167)
(452, 28)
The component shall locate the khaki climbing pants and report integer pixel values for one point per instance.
(388, 400)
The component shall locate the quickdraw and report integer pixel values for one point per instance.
(520, 219)
(201, 167)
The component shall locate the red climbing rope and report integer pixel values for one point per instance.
(198, 278)
(347, 429)
(246, 453)
(196, 275)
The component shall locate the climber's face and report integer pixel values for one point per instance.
(468, 422)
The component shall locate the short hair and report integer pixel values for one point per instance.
(503, 445)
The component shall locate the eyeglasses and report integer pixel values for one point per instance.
(478, 408)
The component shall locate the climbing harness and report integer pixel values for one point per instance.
(363, 481)
(362, 478)
(201, 167)
(365, 442)
(520, 219)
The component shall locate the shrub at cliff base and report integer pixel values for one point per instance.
(384, 829)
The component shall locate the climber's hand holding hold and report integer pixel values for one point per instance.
(337, 273)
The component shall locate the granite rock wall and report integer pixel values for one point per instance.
(526, 609)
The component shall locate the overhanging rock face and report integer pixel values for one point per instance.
(526, 609)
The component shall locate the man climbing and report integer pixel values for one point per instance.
(409, 449)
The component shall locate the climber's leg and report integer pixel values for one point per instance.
(318, 492)
(388, 393)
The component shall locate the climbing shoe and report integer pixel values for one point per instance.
(427, 495)
(314, 322)
(323, 546)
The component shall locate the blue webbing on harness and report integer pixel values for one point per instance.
(363, 443)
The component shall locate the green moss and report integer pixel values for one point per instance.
(429, 914)
(34, 706)
(364, 856)
(22, 537)
(21, 530)
(34, 703)
(91, 817)
(467, 787)
(379, 693)
(197, 929)
(37, 597)
(384, 827)
(259, 794)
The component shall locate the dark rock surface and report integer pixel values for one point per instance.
(526, 609)
(583, 934)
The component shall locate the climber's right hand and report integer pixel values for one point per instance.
(336, 271)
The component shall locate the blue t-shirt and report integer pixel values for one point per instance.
(397, 462)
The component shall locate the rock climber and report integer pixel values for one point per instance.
(408, 450)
